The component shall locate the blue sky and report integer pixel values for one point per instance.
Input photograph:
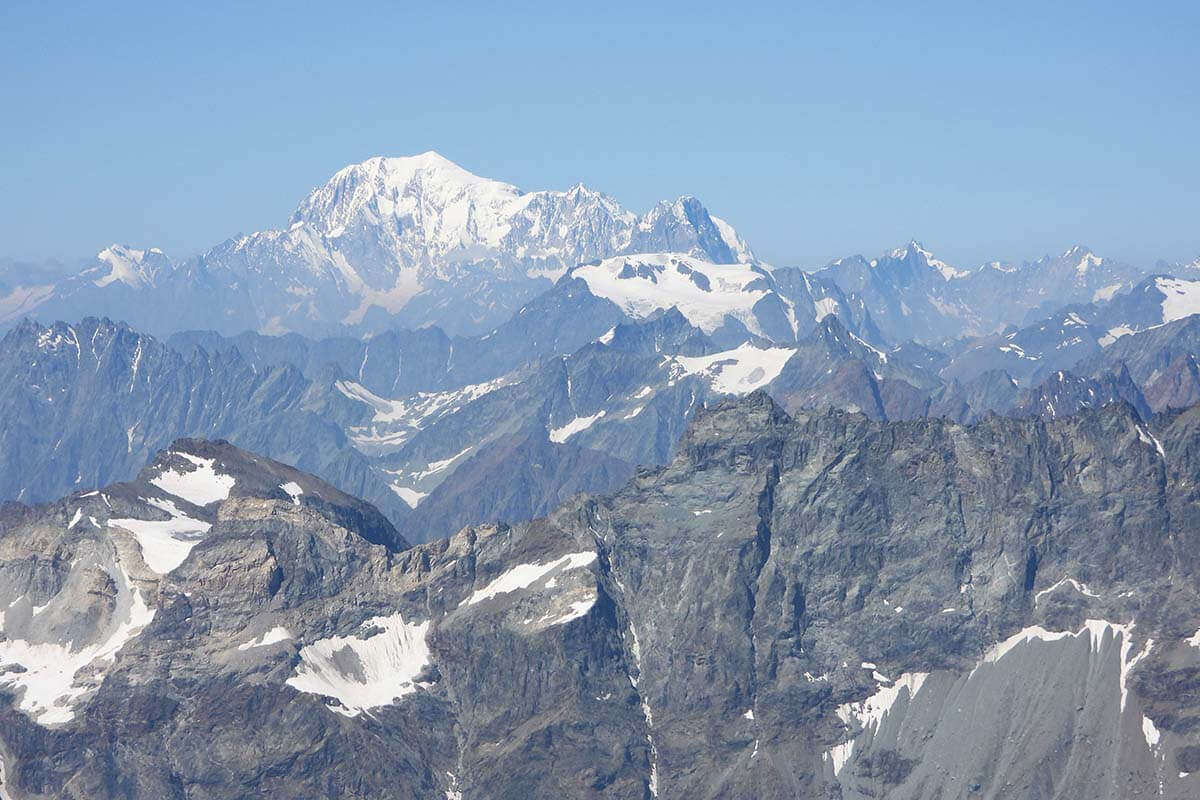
(1000, 130)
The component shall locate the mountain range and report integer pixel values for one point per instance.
(795, 606)
(440, 432)
(410, 242)
(449, 489)
(389, 242)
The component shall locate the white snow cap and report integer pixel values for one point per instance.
(704, 293)
(741, 370)
(431, 213)
(125, 265)
(916, 248)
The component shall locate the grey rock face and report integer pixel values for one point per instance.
(811, 606)
(513, 478)
(1178, 386)
(89, 403)
(87, 415)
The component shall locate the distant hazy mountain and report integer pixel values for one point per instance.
(88, 403)
(911, 294)
(1078, 332)
(390, 242)
(394, 419)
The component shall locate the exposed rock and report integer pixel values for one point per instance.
(810, 606)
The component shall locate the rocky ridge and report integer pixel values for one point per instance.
(813, 605)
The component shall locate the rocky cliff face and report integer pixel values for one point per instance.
(414, 418)
(812, 606)
(89, 403)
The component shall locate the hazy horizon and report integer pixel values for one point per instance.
(993, 134)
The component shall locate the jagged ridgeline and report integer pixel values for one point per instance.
(389, 242)
(909, 597)
(568, 396)
(816, 605)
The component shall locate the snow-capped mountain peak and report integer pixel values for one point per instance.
(427, 212)
(427, 193)
(1082, 258)
(119, 263)
(915, 250)
(410, 241)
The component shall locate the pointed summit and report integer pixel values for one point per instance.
(120, 263)
(915, 252)
(1081, 258)
(405, 241)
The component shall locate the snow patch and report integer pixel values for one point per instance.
(1150, 731)
(1082, 588)
(738, 371)
(47, 685)
(576, 610)
(293, 491)
(1115, 333)
(1180, 298)
(704, 293)
(523, 576)
(438, 466)
(200, 486)
(273, 636)
(410, 496)
(395, 421)
(560, 435)
(372, 668)
(164, 543)
(1148, 438)
(825, 307)
(869, 713)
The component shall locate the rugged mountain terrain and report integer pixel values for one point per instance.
(1078, 333)
(811, 606)
(389, 242)
(418, 241)
(92, 401)
(912, 294)
(88, 403)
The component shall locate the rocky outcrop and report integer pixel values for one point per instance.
(812, 606)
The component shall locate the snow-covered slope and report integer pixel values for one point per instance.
(706, 294)
(1180, 298)
(732, 301)
(1155, 301)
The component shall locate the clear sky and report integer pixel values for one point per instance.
(986, 130)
